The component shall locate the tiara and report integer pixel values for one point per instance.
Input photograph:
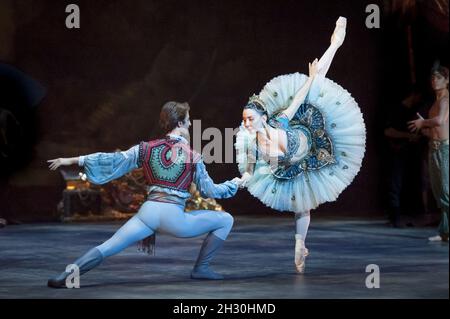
(256, 100)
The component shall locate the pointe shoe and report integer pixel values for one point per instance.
(300, 260)
(339, 32)
(435, 238)
(301, 252)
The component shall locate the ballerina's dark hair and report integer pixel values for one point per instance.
(256, 104)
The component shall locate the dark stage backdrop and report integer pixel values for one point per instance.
(107, 81)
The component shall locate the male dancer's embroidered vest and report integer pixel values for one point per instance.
(168, 163)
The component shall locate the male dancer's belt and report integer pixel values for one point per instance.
(166, 198)
(436, 144)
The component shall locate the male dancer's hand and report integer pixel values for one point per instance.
(245, 178)
(55, 163)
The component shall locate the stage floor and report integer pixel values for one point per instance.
(257, 261)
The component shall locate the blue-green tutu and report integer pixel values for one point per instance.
(336, 136)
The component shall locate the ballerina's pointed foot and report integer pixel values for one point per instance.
(439, 238)
(300, 259)
(339, 32)
(341, 21)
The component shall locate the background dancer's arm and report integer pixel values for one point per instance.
(101, 168)
(394, 133)
(436, 121)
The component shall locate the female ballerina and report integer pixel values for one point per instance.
(301, 142)
(170, 166)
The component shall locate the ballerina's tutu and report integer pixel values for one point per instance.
(333, 122)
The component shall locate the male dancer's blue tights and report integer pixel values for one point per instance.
(167, 217)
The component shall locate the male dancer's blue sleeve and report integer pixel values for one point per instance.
(208, 189)
(101, 168)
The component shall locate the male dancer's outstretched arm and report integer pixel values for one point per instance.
(101, 168)
(207, 187)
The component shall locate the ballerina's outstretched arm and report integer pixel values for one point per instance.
(320, 68)
(302, 92)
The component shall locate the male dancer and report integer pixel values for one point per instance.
(170, 166)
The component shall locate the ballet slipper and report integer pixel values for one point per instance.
(339, 32)
(301, 252)
(90, 260)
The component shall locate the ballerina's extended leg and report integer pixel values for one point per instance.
(336, 41)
